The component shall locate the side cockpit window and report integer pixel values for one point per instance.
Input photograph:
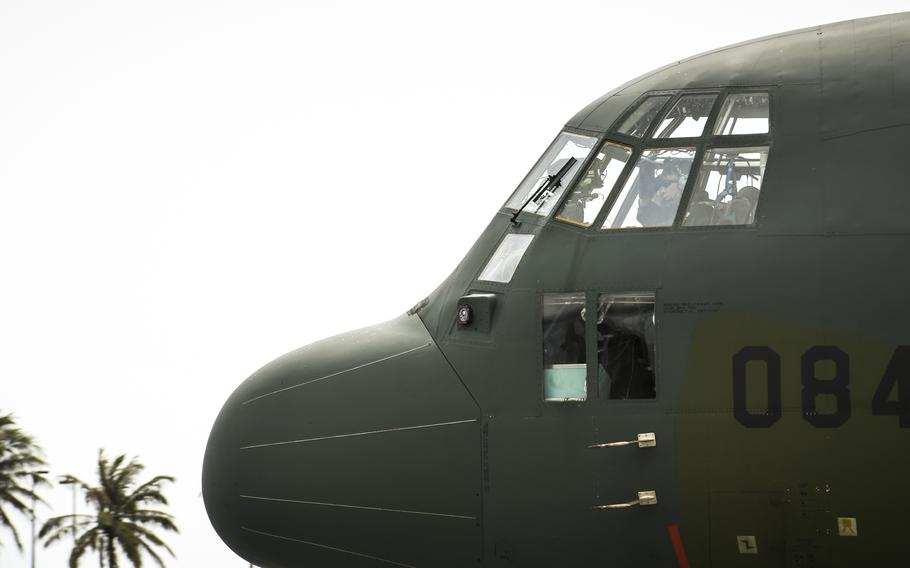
(504, 261)
(625, 346)
(534, 194)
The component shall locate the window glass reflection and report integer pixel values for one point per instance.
(564, 147)
(728, 186)
(564, 354)
(651, 194)
(638, 121)
(687, 118)
(583, 204)
(743, 113)
(625, 346)
(504, 261)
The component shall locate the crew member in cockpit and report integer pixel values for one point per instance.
(658, 200)
(584, 193)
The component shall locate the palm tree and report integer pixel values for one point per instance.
(20, 464)
(122, 522)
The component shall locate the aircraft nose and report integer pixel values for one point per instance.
(360, 450)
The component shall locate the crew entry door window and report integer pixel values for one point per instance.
(564, 347)
(623, 334)
(626, 346)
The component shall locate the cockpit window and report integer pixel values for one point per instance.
(587, 197)
(651, 193)
(504, 261)
(743, 113)
(640, 119)
(565, 146)
(728, 186)
(564, 348)
(625, 346)
(687, 118)
(730, 128)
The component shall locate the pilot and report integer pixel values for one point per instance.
(657, 201)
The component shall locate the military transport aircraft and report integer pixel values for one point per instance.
(683, 341)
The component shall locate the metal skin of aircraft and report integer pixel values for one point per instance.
(655, 355)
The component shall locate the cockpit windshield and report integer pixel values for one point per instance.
(566, 146)
(651, 194)
(727, 189)
(647, 183)
(590, 192)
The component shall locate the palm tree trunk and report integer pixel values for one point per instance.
(111, 560)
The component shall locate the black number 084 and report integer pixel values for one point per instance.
(897, 374)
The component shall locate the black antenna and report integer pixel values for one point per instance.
(553, 182)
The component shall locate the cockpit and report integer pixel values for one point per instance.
(673, 159)
(676, 160)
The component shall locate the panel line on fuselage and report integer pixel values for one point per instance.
(362, 507)
(362, 555)
(367, 433)
(336, 373)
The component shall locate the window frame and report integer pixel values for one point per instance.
(568, 185)
(542, 383)
(701, 143)
(495, 251)
(649, 132)
(709, 119)
(490, 285)
(606, 399)
(620, 179)
(686, 196)
(744, 90)
(620, 184)
(593, 394)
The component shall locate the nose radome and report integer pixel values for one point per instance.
(359, 450)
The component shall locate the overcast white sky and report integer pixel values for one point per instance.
(192, 188)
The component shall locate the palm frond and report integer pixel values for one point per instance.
(87, 541)
(148, 535)
(151, 552)
(150, 491)
(56, 528)
(5, 522)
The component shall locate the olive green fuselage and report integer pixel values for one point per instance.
(781, 413)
